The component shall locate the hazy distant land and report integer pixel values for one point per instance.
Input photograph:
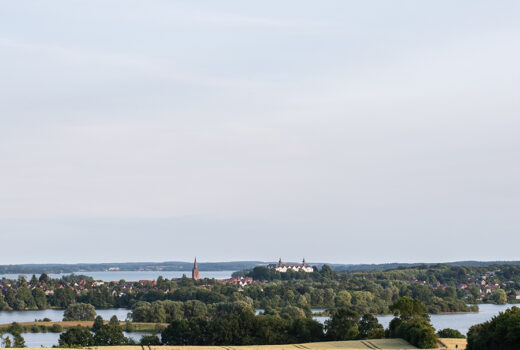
(215, 266)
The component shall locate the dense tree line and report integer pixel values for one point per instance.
(236, 324)
(281, 293)
(246, 328)
(16, 327)
(368, 292)
(166, 311)
(502, 332)
(100, 335)
(242, 329)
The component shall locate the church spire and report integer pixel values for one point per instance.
(195, 271)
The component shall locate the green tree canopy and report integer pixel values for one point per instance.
(450, 333)
(406, 308)
(79, 312)
(500, 297)
(412, 323)
(19, 341)
(502, 332)
(110, 334)
(370, 328)
(76, 336)
(98, 324)
(342, 325)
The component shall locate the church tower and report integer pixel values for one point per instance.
(195, 271)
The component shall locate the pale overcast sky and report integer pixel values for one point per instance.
(339, 131)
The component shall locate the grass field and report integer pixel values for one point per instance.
(383, 344)
(450, 343)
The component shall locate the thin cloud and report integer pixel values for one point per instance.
(160, 68)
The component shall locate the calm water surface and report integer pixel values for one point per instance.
(54, 315)
(108, 276)
(36, 340)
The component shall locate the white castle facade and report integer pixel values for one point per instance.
(281, 267)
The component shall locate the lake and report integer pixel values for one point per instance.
(54, 315)
(460, 322)
(36, 340)
(108, 276)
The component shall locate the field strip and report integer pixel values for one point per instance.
(379, 344)
(368, 345)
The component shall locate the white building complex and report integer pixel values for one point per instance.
(281, 267)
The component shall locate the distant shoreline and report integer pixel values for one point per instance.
(28, 269)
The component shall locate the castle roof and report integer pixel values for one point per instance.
(281, 264)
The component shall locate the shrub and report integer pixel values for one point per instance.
(56, 328)
(129, 327)
(148, 340)
(15, 327)
(159, 328)
(450, 333)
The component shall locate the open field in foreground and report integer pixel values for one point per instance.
(450, 343)
(383, 344)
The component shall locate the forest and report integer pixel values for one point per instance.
(440, 288)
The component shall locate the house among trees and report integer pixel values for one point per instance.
(281, 267)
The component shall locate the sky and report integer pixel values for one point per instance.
(339, 131)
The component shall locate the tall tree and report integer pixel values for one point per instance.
(75, 337)
(98, 324)
(110, 334)
(19, 341)
(342, 325)
(370, 328)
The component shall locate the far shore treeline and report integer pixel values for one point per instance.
(215, 266)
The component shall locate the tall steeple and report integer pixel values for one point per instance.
(195, 271)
